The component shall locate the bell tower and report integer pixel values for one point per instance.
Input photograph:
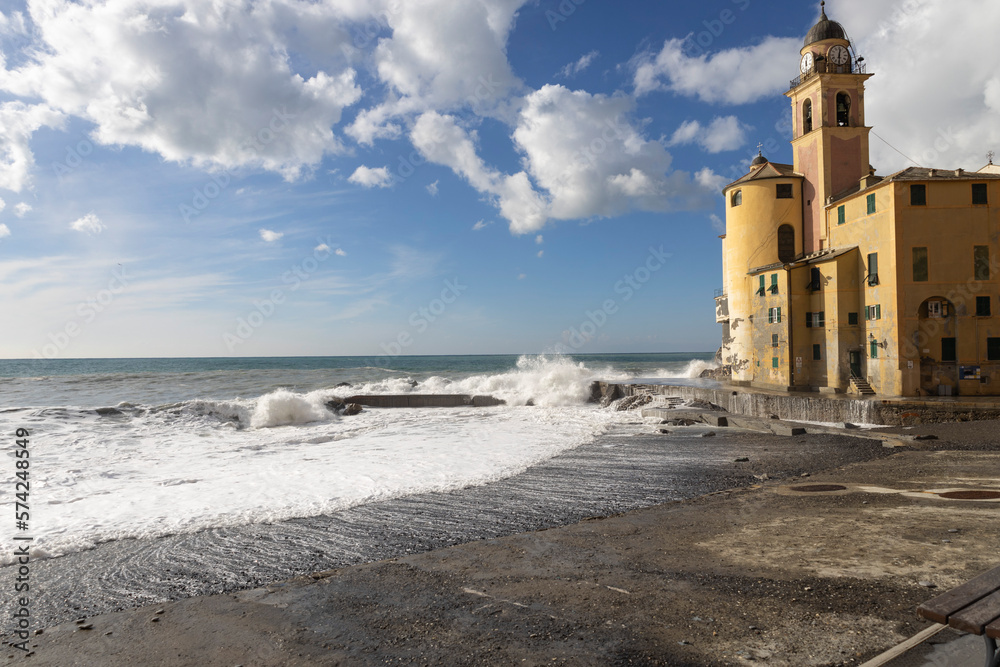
(830, 139)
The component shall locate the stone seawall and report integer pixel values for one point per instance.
(813, 407)
(424, 401)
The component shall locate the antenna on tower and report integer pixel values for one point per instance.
(990, 156)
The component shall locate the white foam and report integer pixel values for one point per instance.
(170, 471)
(284, 408)
(543, 380)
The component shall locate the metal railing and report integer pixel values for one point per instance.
(821, 68)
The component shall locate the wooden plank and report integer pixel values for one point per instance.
(993, 629)
(897, 651)
(976, 617)
(940, 608)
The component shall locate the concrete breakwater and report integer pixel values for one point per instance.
(811, 407)
(424, 401)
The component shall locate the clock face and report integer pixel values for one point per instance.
(807, 62)
(838, 55)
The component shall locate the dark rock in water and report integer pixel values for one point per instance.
(633, 402)
(352, 409)
(927, 436)
(413, 383)
(109, 412)
(335, 405)
(531, 402)
(708, 434)
(742, 459)
(663, 431)
(343, 384)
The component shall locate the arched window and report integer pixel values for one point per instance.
(807, 116)
(737, 198)
(786, 243)
(843, 109)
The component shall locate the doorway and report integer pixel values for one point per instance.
(855, 357)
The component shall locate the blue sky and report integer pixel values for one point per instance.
(356, 177)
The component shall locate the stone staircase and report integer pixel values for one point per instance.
(862, 387)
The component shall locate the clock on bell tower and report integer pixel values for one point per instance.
(830, 139)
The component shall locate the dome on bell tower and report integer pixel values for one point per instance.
(825, 28)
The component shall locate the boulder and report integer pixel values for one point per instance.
(352, 409)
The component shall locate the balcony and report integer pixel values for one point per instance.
(821, 67)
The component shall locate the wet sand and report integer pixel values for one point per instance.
(716, 567)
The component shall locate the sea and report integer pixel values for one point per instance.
(123, 449)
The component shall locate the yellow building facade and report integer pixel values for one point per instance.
(838, 280)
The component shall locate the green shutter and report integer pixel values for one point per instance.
(871, 203)
(841, 215)
(779, 313)
(873, 350)
(774, 362)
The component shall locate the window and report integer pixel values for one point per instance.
(936, 309)
(981, 255)
(919, 265)
(873, 350)
(948, 349)
(841, 215)
(873, 312)
(807, 116)
(783, 191)
(843, 109)
(852, 319)
(817, 352)
(774, 315)
(786, 243)
(993, 349)
(774, 340)
(760, 290)
(815, 279)
(979, 196)
(737, 198)
(774, 362)
(918, 195)
(774, 283)
(982, 306)
(817, 319)
(871, 203)
(873, 268)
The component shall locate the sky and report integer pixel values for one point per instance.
(362, 177)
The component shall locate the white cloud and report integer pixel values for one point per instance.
(440, 139)
(583, 63)
(522, 276)
(717, 223)
(88, 224)
(3, 204)
(21, 209)
(724, 133)
(482, 224)
(18, 121)
(339, 252)
(322, 247)
(942, 120)
(540, 253)
(368, 177)
(733, 76)
(270, 236)
(583, 151)
(4, 231)
(433, 188)
(539, 239)
(206, 83)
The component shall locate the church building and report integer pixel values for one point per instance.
(839, 280)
